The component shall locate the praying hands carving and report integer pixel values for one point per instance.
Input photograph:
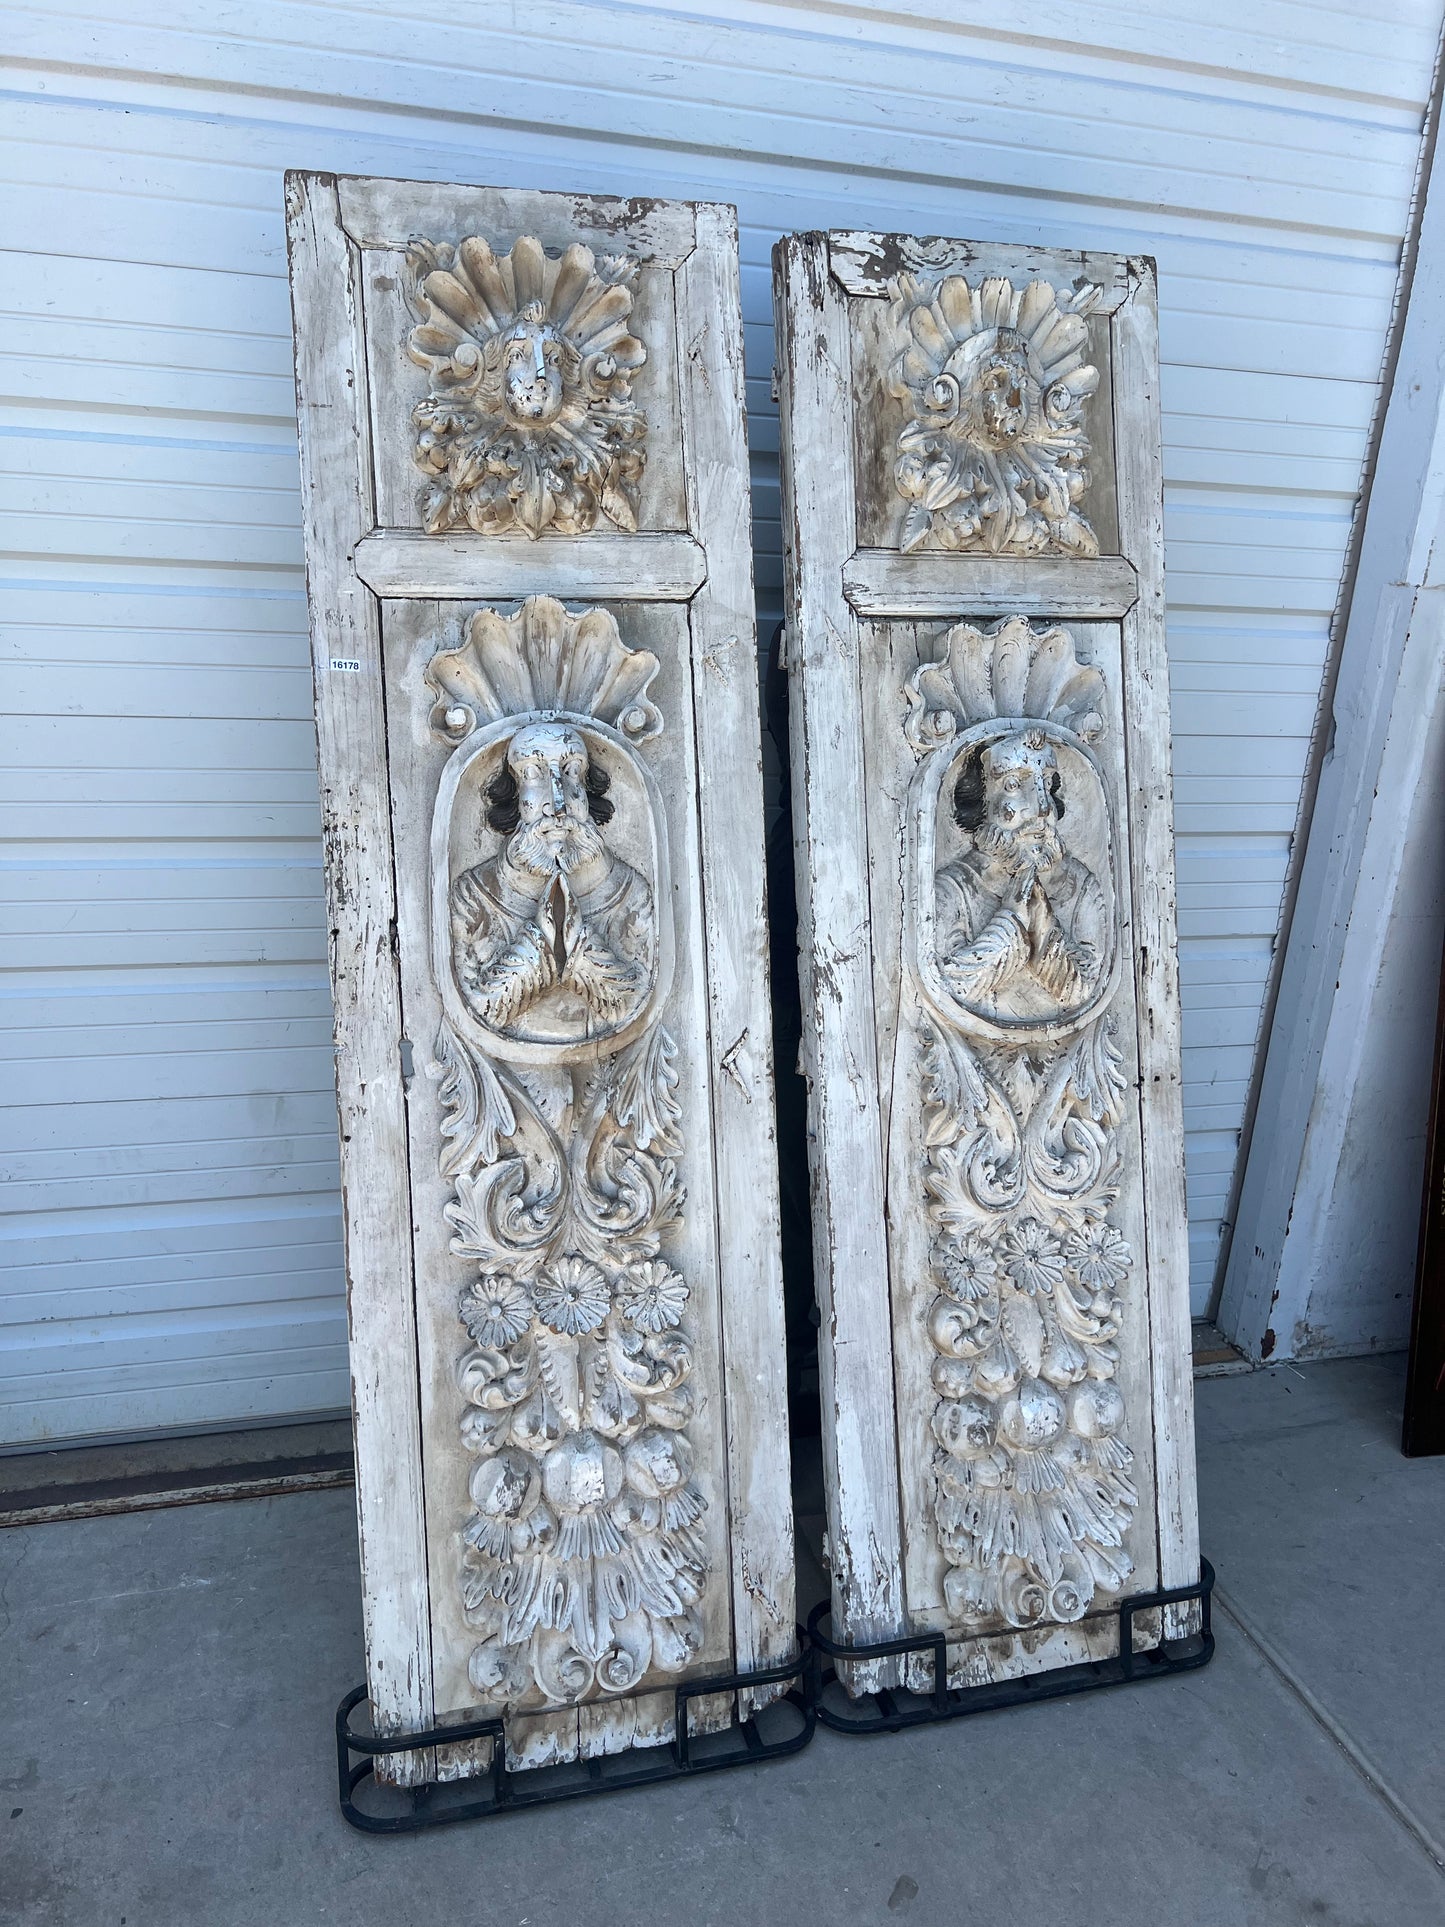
(1022, 924)
(555, 925)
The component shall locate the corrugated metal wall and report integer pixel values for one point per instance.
(173, 1241)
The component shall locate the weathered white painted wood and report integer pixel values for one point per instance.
(1352, 1244)
(1019, 991)
(835, 951)
(725, 698)
(596, 1364)
(881, 582)
(356, 819)
(607, 568)
(1156, 937)
(388, 215)
(539, 648)
(1306, 1086)
(866, 263)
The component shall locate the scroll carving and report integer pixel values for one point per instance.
(994, 458)
(530, 424)
(583, 1565)
(1015, 950)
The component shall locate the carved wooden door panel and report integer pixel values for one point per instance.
(528, 551)
(982, 792)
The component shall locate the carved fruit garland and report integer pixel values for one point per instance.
(1032, 1496)
(583, 1567)
(994, 458)
(530, 424)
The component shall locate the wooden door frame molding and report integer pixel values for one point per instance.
(1372, 733)
(1423, 1430)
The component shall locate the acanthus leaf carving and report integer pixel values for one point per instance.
(584, 1567)
(994, 458)
(474, 1105)
(1023, 1093)
(530, 423)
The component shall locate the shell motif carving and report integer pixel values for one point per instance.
(545, 660)
(530, 424)
(1015, 927)
(583, 1563)
(994, 459)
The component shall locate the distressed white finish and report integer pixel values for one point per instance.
(585, 1564)
(173, 1250)
(397, 563)
(1324, 1246)
(574, 1457)
(879, 583)
(1014, 969)
(835, 955)
(984, 856)
(361, 905)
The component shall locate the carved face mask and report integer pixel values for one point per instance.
(1021, 801)
(1005, 393)
(532, 375)
(549, 762)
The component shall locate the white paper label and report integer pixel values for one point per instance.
(352, 664)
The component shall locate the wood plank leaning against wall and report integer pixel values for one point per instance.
(1322, 1251)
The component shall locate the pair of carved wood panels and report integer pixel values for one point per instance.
(528, 547)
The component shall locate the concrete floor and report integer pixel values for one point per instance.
(169, 1679)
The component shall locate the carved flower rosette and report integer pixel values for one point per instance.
(530, 424)
(994, 458)
(1013, 940)
(583, 1560)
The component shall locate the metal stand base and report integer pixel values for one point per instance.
(499, 1790)
(890, 1710)
(816, 1698)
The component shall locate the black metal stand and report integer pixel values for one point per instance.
(500, 1790)
(818, 1697)
(890, 1710)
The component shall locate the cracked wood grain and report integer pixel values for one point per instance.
(356, 827)
(830, 830)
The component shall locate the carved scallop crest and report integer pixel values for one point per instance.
(1012, 669)
(530, 424)
(538, 661)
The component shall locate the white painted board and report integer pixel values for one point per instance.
(542, 799)
(984, 848)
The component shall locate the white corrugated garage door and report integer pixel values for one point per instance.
(173, 1229)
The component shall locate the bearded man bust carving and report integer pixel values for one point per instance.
(552, 937)
(1022, 925)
